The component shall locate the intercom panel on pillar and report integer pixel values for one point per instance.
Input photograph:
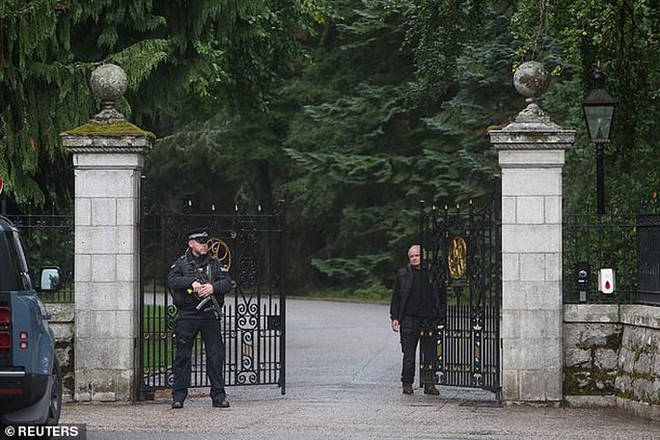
(582, 279)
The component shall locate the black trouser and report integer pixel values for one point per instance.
(410, 330)
(184, 338)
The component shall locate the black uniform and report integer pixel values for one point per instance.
(417, 303)
(204, 269)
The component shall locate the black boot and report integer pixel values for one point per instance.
(431, 389)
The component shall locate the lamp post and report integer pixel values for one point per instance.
(598, 109)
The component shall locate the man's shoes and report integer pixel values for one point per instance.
(431, 389)
(221, 404)
(177, 405)
(407, 388)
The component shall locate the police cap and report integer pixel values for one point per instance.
(198, 234)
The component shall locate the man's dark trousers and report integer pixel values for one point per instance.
(409, 330)
(185, 333)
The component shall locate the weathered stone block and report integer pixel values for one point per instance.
(541, 386)
(584, 313)
(532, 267)
(103, 240)
(96, 162)
(643, 364)
(641, 316)
(572, 335)
(62, 331)
(126, 323)
(104, 268)
(510, 324)
(127, 211)
(605, 359)
(83, 268)
(626, 360)
(530, 210)
(83, 212)
(510, 385)
(60, 312)
(104, 183)
(105, 324)
(540, 324)
(103, 353)
(126, 267)
(509, 210)
(553, 267)
(117, 295)
(533, 354)
(531, 182)
(577, 357)
(643, 389)
(544, 295)
(531, 238)
(510, 267)
(553, 209)
(600, 335)
(527, 158)
(104, 212)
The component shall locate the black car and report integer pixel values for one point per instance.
(30, 376)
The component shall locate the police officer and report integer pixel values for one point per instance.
(198, 284)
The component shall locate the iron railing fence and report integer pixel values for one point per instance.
(592, 242)
(648, 253)
(48, 240)
(622, 242)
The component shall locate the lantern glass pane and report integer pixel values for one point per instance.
(599, 120)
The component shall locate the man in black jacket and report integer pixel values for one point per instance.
(416, 304)
(198, 284)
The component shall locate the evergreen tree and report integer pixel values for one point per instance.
(380, 135)
(184, 59)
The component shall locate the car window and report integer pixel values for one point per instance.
(10, 263)
(26, 282)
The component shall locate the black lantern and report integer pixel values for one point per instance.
(598, 112)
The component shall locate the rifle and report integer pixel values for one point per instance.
(215, 305)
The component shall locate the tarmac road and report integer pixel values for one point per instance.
(343, 367)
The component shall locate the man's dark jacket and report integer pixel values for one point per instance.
(185, 270)
(403, 287)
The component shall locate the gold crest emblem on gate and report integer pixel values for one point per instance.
(219, 250)
(457, 258)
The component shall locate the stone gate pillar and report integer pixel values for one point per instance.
(531, 155)
(108, 156)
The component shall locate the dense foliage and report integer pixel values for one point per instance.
(184, 60)
(351, 113)
(619, 37)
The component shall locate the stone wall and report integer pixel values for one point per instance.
(63, 326)
(612, 357)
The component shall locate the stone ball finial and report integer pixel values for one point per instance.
(109, 82)
(531, 80)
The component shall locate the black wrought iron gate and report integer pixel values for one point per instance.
(253, 322)
(464, 253)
